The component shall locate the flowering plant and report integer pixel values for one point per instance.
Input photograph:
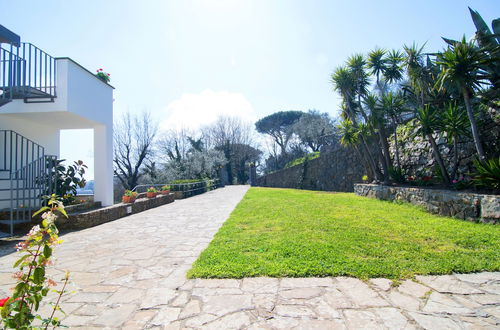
(152, 190)
(130, 193)
(165, 188)
(19, 310)
(104, 76)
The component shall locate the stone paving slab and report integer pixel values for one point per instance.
(130, 274)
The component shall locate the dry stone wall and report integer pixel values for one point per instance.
(462, 205)
(336, 170)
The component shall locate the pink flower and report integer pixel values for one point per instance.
(51, 282)
(18, 275)
(21, 246)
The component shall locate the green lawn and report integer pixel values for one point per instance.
(297, 233)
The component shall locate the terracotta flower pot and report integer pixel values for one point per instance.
(150, 194)
(128, 199)
(165, 192)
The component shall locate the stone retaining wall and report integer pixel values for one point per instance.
(93, 218)
(336, 170)
(462, 205)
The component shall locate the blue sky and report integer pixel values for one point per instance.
(188, 61)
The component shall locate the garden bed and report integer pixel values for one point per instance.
(462, 205)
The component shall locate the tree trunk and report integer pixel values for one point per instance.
(439, 159)
(456, 160)
(380, 176)
(385, 146)
(396, 146)
(473, 125)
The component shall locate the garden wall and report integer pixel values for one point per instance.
(462, 205)
(93, 218)
(336, 170)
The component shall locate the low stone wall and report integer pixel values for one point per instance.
(336, 170)
(462, 205)
(106, 214)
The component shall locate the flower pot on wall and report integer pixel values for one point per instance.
(151, 194)
(165, 192)
(128, 199)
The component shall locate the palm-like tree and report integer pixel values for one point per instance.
(393, 106)
(345, 82)
(461, 66)
(455, 123)
(429, 122)
(378, 120)
(415, 68)
(350, 136)
(394, 70)
(377, 63)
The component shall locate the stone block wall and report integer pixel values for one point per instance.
(336, 170)
(93, 218)
(462, 205)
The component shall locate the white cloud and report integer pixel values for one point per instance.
(195, 110)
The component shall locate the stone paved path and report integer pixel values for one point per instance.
(130, 274)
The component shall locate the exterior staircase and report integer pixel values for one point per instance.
(26, 174)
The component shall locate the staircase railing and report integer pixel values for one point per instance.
(27, 186)
(27, 176)
(17, 151)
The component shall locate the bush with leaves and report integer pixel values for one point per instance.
(20, 310)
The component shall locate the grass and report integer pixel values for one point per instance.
(297, 233)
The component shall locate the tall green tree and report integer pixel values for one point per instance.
(279, 126)
(461, 66)
(344, 82)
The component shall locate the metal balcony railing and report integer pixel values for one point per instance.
(26, 72)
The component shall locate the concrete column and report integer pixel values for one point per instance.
(103, 164)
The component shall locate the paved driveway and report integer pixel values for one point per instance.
(130, 274)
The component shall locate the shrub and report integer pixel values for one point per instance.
(488, 173)
(165, 188)
(151, 190)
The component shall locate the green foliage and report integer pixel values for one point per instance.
(301, 160)
(165, 188)
(397, 174)
(185, 181)
(130, 193)
(349, 134)
(488, 173)
(297, 233)
(33, 284)
(104, 76)
(68, 178)
(152, 190)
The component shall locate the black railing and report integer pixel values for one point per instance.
(26, 72)
(188, 189)
(26, 174)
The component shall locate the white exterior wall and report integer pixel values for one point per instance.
(83, 101)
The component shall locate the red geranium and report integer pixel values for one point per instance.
(3, 301)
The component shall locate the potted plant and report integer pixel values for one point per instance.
(165, 190)
(151, 192)
(104, 76)
(129, 196)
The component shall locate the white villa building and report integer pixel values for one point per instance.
(41, 95)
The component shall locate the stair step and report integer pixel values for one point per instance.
(16, 222)
(4, 235)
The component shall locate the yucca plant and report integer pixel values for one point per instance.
(429, 122)
(461, 66)
(488, 173)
